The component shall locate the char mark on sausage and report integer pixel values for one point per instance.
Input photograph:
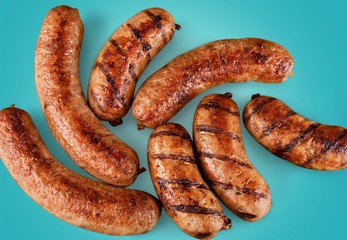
(170, 133)
(215, 130)
(239, 190)
(224, 158)
(257, 108)
(215, 105)
(187, 159)
(185, 183)
(195, 209)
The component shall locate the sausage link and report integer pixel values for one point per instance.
(87, 141)
(294, 138)
(221, 154)
(123, 59)
(176, 178)
(71, 197)
(166, 91)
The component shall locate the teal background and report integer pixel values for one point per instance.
(307, 204)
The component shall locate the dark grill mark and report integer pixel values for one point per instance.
(110, 79)
(182, 182)
(195, 209)
(211, 129)
(257, 108)
(132, 73)
(202, 235)
(156, 19)
(136, 32)
(118, 48)
(131, 69)
(215, 105)
(187, 159)
(278, 123)
(246, 215)
(145, 47)
(238, 190)
(309, 162)
(334, 144)
(171, 133)
(297, 140)
(224, 158)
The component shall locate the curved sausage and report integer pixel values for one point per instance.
(166, 91)
(122, 60)
(221, 154)
(176, 178)
(71, 197)
(292, 137)
(87, 141)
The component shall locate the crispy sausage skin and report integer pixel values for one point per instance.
(166, 91)
(71, 197)
(87, 141)
(176, 178)
(122, 60)
(292, 137)
(221, 154)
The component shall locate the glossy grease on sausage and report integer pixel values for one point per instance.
(166, 91)
(290, 136)
(71, 197)
(123, 59)
(222, 157)
(176, 178)
(87, 141)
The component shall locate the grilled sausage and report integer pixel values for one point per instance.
(87, 141)
(176, 178)
(122, 60)
(166, 91)
(292, 137)
(71, 197)
(221, 154)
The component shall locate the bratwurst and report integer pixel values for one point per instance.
(87, 141)
(166, 91)
(123, 59)
(223, 160)
(292, 137)
(71, 197)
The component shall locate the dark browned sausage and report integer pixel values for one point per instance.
(185, 196)
(87, 141)
(292, 137)
(122, 60)
(164, 93)
(221, 154)
(73, 198)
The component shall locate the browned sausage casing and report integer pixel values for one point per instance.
(185, 196)
(87, 141)
(166, 91)
(221, 154)
(73, 198)
(292, 137)
(122, 60)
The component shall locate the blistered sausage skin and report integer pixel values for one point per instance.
(71, 197)
(290, 136)
(87, 141)
(176, 178)
(221, 154)
(167, 90)
(123, 59)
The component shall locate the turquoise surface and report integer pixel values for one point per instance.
(307, 204)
